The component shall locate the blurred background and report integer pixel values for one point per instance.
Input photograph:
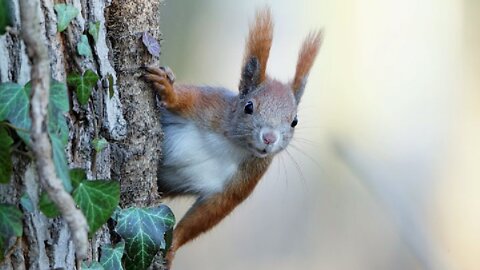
(384, 172)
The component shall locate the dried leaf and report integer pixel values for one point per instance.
(151, 43)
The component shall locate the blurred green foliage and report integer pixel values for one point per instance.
(5, 18)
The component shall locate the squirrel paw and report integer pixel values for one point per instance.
(162, 80)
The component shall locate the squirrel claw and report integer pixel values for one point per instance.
(163, 104)
(164, 72)
(169, 74)
(162, 80)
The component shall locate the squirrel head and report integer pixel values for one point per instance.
(265, 115)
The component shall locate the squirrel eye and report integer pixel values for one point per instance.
(249, 108)
(295, 122)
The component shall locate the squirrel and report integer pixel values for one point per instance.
(217, 143)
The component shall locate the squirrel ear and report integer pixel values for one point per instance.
(257, 50)
(250, 75)
(306, 57)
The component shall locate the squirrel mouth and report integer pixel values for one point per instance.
(258, 152)
(261, 154)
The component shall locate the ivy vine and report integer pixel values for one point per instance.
(144, 231)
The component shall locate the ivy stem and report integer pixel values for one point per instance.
(26, 154)
(41, 145)
(15, 127)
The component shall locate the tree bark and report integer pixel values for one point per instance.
(129, 119)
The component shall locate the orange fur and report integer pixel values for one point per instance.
(174, 100)
(260, 40)
(185, 100)
(306, 57)
(205, 108)
(207, 213)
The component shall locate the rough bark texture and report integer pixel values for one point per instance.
(138, 154)
(128, 120)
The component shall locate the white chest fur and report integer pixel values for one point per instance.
(198, 160)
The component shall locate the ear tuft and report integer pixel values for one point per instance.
(306, 57)
(257, 50)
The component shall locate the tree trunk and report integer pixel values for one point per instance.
(128, 119)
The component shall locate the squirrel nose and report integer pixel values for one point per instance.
(269, 138)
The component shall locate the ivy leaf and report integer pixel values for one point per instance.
(151, 43)
(5, 18)
(65, 14)
(92, 266)
(77, 175)
(168, 241)
(111, 258)
(58, 105)
(5, 156)
(116, 212)
(47, 206)
(83, 84)
(110, 85)
(90, 78)
(97, 199)
(15, 108)
(143, 230)
(99, 144)
(83, 47)
(60, 161)
(93, 30)
(27, 203)
(10, 225)
(58, 99)
(16, 103)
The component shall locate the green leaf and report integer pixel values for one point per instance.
(58, 99)
(5, 156)
(58, 130)
(93, 30)
(60, 162)
(65, 14)
(83, 47)
(97, 199)
(83, 84)
(5, 17)
(90, 78)
(15, 108)
(99, 144)
(168, 241)
(92, 266)
(143, 230)
(58, 105)
(110, 85)
(111, 258)
(116, 212)
(10, 225)
(27, 203)
(10, 220)
(77, 175)
(47, 206)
